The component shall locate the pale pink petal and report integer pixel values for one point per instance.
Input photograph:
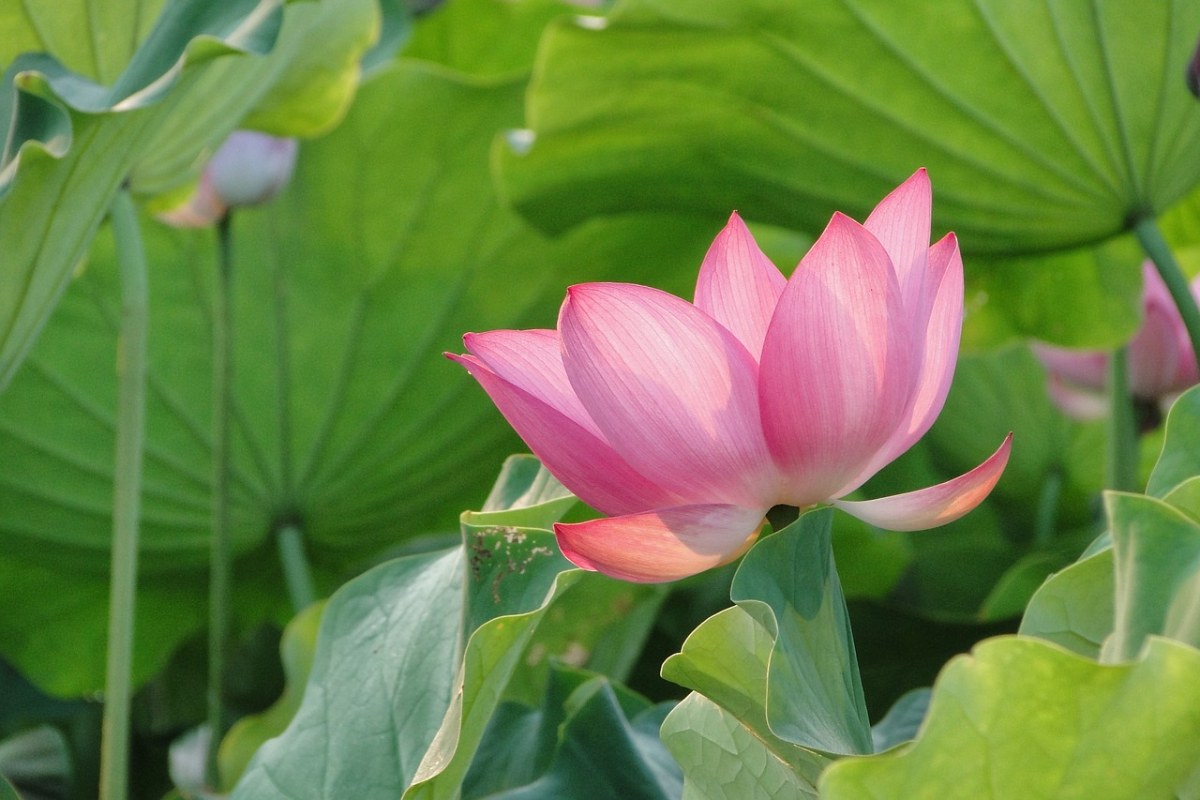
(1076, 402)
(1156, 352)
(1084, 368)
(673, 391)
(200, 210)
(531, 360)
(937, 354)
(579, 458)
(663, 545)
(836, 374)
(739, 286)
(936, 505)
(901, 223)
(941, 340)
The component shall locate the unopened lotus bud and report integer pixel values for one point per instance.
(250, 168)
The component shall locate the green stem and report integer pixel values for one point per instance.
(127, 483)
(1047, 509)
(220, 566)
(1122, 426)
(296, 571)
(1160, 253)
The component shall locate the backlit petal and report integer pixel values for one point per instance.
(532, 361)
(739, 286)
(663, 545)
(579, 458)
(674, 392)
(936, 505)
(936, 353)
(836, 373)
(901, 223)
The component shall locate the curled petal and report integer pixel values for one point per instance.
(836, 374)
(663, 545)
(674, 392)
(901, 223)
(936, 505)
(739, 286)
(579, 458)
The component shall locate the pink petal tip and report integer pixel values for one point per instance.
(935, 505)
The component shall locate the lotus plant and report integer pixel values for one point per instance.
(686, 422)
(248, 169)
(1162, 362)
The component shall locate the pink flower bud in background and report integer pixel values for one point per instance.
(1161, 360)
(250, 168)
(686, 422)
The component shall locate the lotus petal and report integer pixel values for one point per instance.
(935, 505)
(738, 285)
(674, 392)
(663, 545)
(836, 371)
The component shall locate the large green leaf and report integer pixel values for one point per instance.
(381, 680)
(1086, 297)
(789, 584)
(722, 759)
(388, 245)
(590, 739)
(1043, 124)
(1156, 558)
(775, 678)
(1074, 608)
(1142, 577)
(412, 660)
(1021, 718)
(148, 105)
(720, 734)
(1180, 456)
(485, 37)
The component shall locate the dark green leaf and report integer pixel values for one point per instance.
(599, 741)
(902, 721)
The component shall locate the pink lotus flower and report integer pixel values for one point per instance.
(687, 422)
(248, 169)
(1162, 362)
